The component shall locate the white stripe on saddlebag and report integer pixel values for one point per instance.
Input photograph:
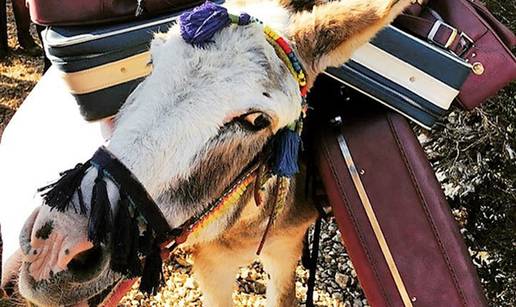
(405, 75)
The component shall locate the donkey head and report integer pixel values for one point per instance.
(190, 128)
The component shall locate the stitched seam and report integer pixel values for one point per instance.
(427, 212)
(355, 224)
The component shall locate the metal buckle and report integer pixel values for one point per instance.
(469, 42)
(435, 29)
(467, 38)
(463, 37)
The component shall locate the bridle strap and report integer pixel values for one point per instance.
(169, 238)
(127, 183)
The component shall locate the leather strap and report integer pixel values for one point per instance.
(429, 27)
(128, 183)
(107, 75)
(375, 225)
(313, 264)
(428, 17)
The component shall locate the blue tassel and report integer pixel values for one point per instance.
(200, 24)
(286, 154)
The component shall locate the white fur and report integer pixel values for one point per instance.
(167, 125)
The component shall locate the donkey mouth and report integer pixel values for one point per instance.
(110, 296)
(82, 284)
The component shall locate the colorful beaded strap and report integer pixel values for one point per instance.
(285, 53)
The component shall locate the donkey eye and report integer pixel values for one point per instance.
(255, 121)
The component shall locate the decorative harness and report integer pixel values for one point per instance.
(138, 228)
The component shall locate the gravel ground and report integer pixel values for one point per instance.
(336, 279)
(18, 75)
(336, 283)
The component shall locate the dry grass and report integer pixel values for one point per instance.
(18, 75)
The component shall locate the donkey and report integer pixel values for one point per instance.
(186, 133)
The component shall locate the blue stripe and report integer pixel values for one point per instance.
(388, 92)
(418, 54)
(105, 102)
(428, 106)
(97, 52)
(78, 63)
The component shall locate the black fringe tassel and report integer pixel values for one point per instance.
(128, 246)
(121, 237)
(152, 276)
(146, 242)
(124, 255)
(134, 265)
(100, 221)
(58, 195)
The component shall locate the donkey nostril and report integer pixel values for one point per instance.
(86, 264)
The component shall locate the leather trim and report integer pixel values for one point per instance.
(409, 76)
(107, 75)
(354, 220)
(375, 225)
(428, 215)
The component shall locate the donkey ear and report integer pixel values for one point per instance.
(328, 35)
(300, 5)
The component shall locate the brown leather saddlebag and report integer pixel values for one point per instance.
(87, 12)
(394, 219)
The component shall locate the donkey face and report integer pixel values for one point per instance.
(189, 130)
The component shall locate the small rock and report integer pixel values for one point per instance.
(353, 273)
(190, 283)
(341, 280)
(338, 296)
(316, 296)
(357, 303)
(260, 288)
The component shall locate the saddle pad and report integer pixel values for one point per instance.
(405, 74)
(81, 12)
(101, 65)
(392, 214)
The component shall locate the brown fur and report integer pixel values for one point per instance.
(328, 35)
(216, 262)
(300, 5)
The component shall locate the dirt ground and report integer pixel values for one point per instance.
(18, 75)
(485, 207)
